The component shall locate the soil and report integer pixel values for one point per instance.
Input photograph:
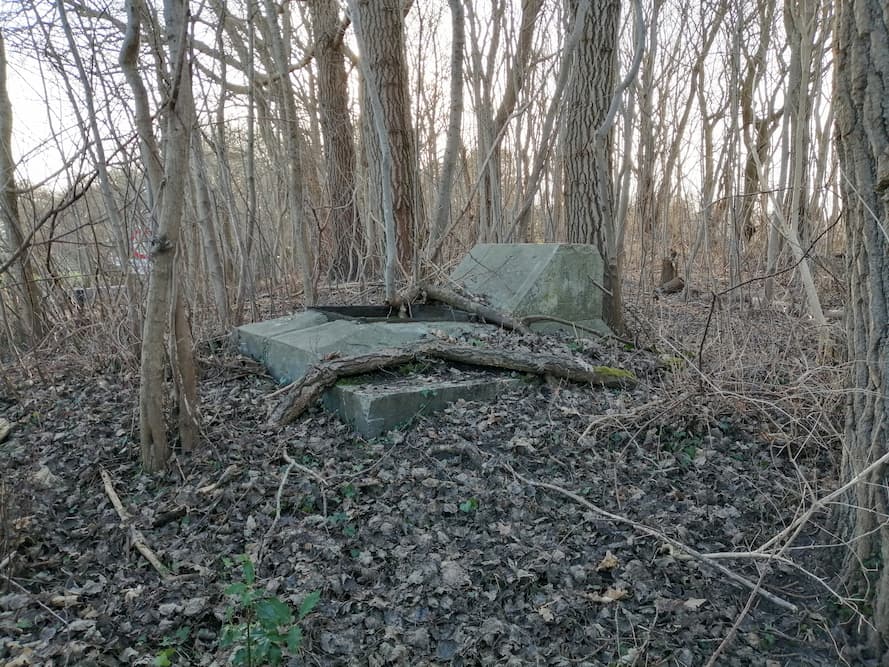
(432, 545)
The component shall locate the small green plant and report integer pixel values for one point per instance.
(342, 519)
(172, 648)
(469, 505)
(259, 626)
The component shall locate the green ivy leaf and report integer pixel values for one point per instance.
(469, 505)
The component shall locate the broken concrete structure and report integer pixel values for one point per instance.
(560, 281)
(557, 280)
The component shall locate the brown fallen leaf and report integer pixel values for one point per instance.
(609, 596)
(64, 600)
(609, 562)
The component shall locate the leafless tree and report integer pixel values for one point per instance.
(861, 90)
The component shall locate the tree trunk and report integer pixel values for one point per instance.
(589, 191)
(280, 44)
(30, 308)
(377, 143)
(861, 89)
(379, 29)
(449, 162)
(346, 233)
(161, 308)
(212, 256)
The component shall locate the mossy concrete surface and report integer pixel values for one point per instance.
(558, 280)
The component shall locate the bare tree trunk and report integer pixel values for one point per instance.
(861, 88)
(589, 191)
(442, 206)
(129, 62)
(384, 166)
(379, 29)
(163, 308)
(23, 274)
(296, 194)
(204, 208)
(346, 232)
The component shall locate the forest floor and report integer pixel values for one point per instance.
(435, 544)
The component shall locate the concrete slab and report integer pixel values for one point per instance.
(289, 346)
(253, 339)
(374, 408)
(556, 280)
(523, 279)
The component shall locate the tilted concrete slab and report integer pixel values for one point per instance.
(558, 280)
(289, 346)
(373, 409)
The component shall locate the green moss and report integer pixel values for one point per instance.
(671, 362)
(618, 373)
(353, 380)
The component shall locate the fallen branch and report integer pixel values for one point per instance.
(325, 374)
(135, 535)
(451, 298)
(651, 532)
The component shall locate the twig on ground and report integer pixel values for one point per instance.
(291, 464)
(756, 555)
(642, 528)
(135, 535)
(733, 631)
(36, 599)
(223, 478)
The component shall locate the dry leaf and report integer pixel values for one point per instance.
(608, 563)
(693, 604)
(611, 595)
(64, 600)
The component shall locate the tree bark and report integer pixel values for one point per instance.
(379, 29)
(22, 271)
(442, 206)
(861, 87)
(204, 207)
(161, 307)
(589, 191)
(346, 233)
(296, 194)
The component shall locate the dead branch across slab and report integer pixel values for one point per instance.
(451, 298)
(325, 374)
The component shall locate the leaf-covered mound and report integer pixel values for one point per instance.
(424, 545)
